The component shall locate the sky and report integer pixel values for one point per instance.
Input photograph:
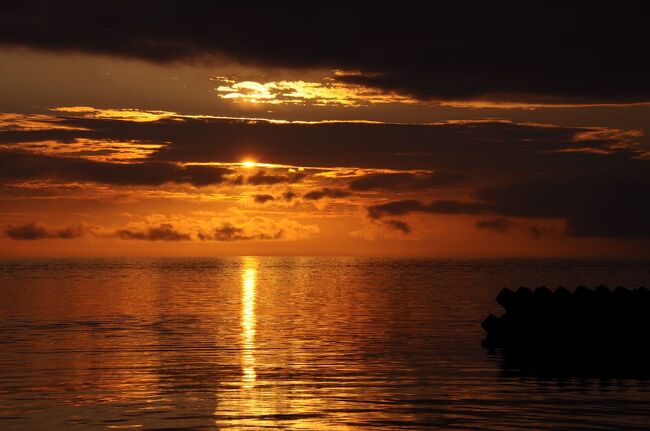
(198, 128)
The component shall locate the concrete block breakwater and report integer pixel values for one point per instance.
(584, 315)
(586, 329)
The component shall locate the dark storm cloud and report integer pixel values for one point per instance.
(537, 51)
(34, 231)
(592, 206)
(263, 198)
(16, 166)
(403, 181)
(326, 192)
(162, 232)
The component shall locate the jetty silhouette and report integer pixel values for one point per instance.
(586, 332)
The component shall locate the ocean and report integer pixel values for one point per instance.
(305, 343)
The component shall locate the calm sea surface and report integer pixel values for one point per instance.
(286, 343)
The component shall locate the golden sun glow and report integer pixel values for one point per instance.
(248, 164)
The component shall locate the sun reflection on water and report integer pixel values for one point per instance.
(248, 320)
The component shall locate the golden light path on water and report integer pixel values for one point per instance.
(248, 320)
(239, 401)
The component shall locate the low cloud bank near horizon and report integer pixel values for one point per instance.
(239, 229)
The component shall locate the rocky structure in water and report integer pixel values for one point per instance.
(590, 332)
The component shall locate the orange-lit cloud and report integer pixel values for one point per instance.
(136, 115)
(334, 91)
(90, 149)
(328, 92)
(33, 122)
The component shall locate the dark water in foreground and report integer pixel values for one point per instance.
(286, 343)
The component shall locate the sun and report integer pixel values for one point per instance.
(248, 164)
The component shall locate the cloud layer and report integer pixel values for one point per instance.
(592, 179)
(34, 231)
(582, 51)
(237, 229)
(24, 166)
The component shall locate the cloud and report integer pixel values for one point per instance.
(157, 227)
(326, 192)
(34, 231)
(593, 206)
(162, 232)
(606, 207)
(453, 148)
(364, 145)
(399, 225)
(227, 232)
(396, 208)
(592, 178)
(500, 225)
(451, 51)
(23, 166)
(262, 178)
(327, 92)
(538, 232)
(18, 191)
(408, 206)
(263, 198)
(258, 228)
(91, 149)
(400, 181)
(289, 195)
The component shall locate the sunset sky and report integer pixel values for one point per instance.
(199, 128)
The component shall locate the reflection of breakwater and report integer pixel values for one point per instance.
(596, 332)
